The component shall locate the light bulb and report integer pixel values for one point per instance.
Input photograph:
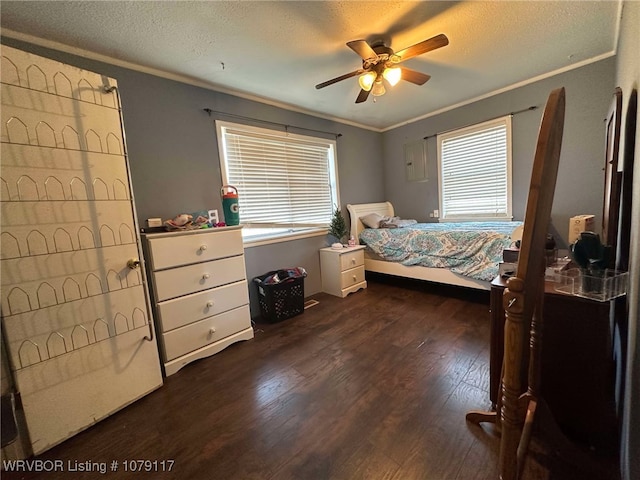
(366, 80)
(378, 89)
(392, 75)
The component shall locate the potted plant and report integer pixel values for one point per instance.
(338, 227)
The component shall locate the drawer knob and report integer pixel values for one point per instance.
(355, 278)
(210, 304)
(133, 263)
(212, 330)
(203, 248)
(353, 261)
(205, 276)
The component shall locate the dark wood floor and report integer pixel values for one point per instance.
(373, 386)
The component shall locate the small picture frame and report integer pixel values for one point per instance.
(213, 217)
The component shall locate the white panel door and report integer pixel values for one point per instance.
(75, 318)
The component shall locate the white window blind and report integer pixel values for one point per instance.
(283, 179)
(475, 172)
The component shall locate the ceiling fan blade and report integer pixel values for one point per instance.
(362, 48)
(362, 96)
(423, 47)
(414, 76)
(340, 78)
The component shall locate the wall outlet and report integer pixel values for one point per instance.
(213, 217)
(436, 214)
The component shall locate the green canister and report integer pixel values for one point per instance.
(230, 205)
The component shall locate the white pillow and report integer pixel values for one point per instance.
(372, 220)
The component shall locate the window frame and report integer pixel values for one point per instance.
(470, 129)
(257, 233)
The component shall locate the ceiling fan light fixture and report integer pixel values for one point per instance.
(366, 81)
(378, 89)
(392, 75)
(379, 65)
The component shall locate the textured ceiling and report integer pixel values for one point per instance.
(277, 51)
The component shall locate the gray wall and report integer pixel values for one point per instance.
(175, 168)
(580, 183)
(174, 162)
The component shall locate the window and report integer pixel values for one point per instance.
(475, 172)
(287, 183)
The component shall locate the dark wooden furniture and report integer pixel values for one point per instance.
(577, 363)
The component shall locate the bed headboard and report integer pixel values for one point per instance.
(363, 209)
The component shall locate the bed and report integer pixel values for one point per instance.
(478, 276)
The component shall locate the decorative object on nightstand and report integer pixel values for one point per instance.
(338, 227)
(342, 270)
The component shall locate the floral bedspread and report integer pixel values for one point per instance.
(473, 249)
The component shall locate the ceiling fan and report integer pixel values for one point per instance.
(381, 62)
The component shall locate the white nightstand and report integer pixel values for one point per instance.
(342, 270)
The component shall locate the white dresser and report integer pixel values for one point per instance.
(199, 292)
(342, 270)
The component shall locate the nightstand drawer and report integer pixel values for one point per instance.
(195, 335)
(187, 249)
(201, 276)
(351, 259)
(352, 277)
(191, 308)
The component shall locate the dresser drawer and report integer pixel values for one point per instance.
(191, 308)
(351, 260)
(186, 249)
(195, 278)
(209, 330)
(352, 277)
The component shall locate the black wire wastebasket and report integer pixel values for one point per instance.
(281, 293)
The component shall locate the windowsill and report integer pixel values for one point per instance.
(275, 235)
